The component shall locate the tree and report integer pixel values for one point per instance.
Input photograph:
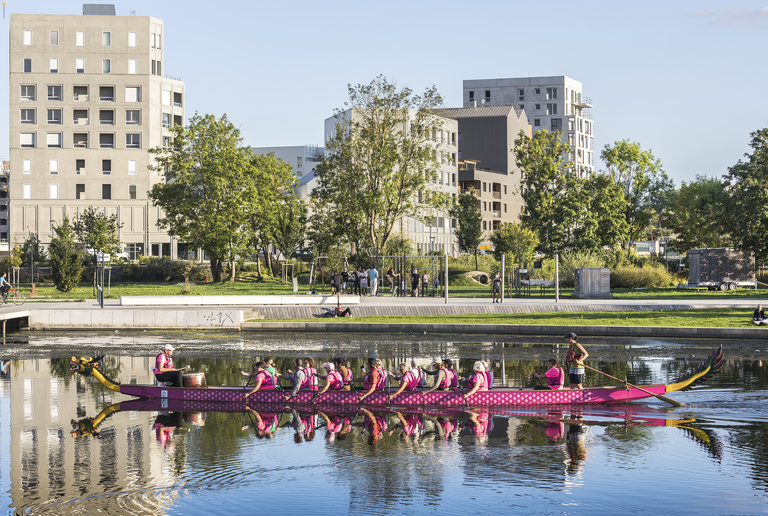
(210, 193)
(604, 224)
(31, 250)
(66, 264)
(747, 186)
(290, 229)
(380, 159)
(469, 221)
(641, 178)
(516, 242)
(97, 231)
(545, 181)
(697, 214)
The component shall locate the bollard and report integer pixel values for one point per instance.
(34, 290)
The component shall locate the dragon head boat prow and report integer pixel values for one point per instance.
(702, 374)
(90, 367)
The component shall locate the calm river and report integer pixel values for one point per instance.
(68, 446)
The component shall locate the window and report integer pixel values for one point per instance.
(536, 122)
(26, 166)
(54, 92)
(79, 38)
(131, 191)
(80, 116)
(133, 141)
(551, 109)
(106, 39)
(27, 116)
(159, 68)
(27, 37)
(537, 91)
(177, 99)
(27, 140)
(79, 191)
(487, 95)
(505, 189)
(106, 66)
(53, 140)
(521, 106)
(106, 117)
(520, 94)
(551, 93)
(132, 66)
(80, 93)
(538, 107)
(53, 191)
(132, 39)
(557, 124)
(299, 161)
(106, 166)
(54, 116)
(471, 96)
(80, 140)
(106, 141)
(166, 98)
(107, 93)
(27, 65)
(26, 192)
(55, 38)
(166, 120)
(54, 64)
(167, 142)
(133, 94)
(132, 117)
(484, 225)
(27, 92)
(79, 166)
(132, 167)
(106, 191)
(80, 65)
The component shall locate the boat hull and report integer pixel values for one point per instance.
(492, 398)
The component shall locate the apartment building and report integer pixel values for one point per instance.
(88, 98)
(432, 231)
(302, 158)
(487, 165)
(4, 176)
(551, 103)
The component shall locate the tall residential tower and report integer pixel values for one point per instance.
(88, 98)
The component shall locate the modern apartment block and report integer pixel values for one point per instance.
(304, 160)
(551, 103)
(87, 100)
(432, 231)
(486, 162)
(4, 176)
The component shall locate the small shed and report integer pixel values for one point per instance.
(592, 283)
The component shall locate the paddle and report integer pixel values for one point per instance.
(659, 396)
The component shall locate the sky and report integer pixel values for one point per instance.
(683, 79)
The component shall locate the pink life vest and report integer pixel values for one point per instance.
(310, 379)
(267, 380)
(162, 359)
(382, 379)
(348, 378)
(453, 378)
(446, 380)
(480, 378)
(410, 381)
(335, 381)
(489, 379)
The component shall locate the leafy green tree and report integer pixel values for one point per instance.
(516, 242)
(697, 214)
(97, 231)
(31, 249)
(547, 210)
(66, 263)
(290, 229)
(747, 185)
(380, 159)
(210, 193)
(604, 224)
(641, 177)
(398, 245)
(469, 221)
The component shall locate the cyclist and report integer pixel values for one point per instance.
(4, 287)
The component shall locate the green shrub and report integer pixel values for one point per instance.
(641, 277)
(164, 270)
(572, 260)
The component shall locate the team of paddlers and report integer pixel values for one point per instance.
(339, 377)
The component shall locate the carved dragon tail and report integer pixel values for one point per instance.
(702, 374)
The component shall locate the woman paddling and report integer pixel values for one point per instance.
(408, 381)
(478, 381)
(333, 379)
(264, 380)
(575, 357)
(554, 376)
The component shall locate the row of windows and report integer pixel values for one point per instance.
(80, 38)
(80, 168)
(80, 93)
(555, 124)
(80, 116)
(106, 66)
(80, 140)
(550, 94)
(53, 191)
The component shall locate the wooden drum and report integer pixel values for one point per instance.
(195, 380)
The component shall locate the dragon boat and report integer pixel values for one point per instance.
(497, 397)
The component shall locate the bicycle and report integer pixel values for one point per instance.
(16, 296)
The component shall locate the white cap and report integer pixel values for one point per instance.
(168, 347)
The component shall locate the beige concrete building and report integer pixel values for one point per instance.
(4, 176)
(88, 98)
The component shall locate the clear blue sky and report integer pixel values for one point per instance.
(684, 79)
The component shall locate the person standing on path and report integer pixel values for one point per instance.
(373, 276)
(496, 285)
(415, 283)
(575, 357)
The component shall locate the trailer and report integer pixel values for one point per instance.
(721, 268)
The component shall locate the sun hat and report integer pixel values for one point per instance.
(168, 347)
(571, 335)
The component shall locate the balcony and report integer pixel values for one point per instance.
(496, 194)
(496, 214)
(80, 98)
(80, 121)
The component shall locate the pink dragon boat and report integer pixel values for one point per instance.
(497, 397)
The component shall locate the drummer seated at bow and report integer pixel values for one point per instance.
(333, 379)
(264, 380)
(164, 370)
(408, 380)
(375, 379)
